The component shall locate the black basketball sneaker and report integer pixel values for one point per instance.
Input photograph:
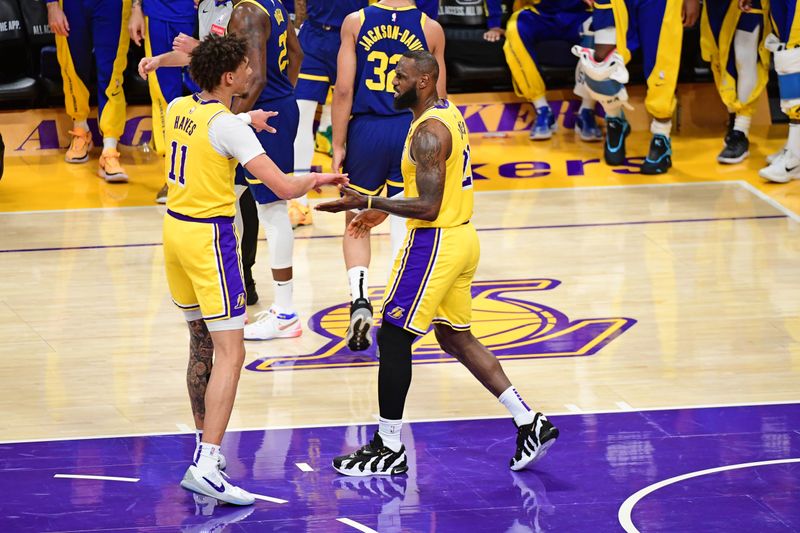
(374, 459)
(358, 337)
(737, 148)
(659, 158)
(533, 441)
(617, 129)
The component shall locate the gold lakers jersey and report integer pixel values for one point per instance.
(457, 200)
(200, 180)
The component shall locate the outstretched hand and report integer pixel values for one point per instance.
(351, 199)
(329, 178)
(148, 65)
(363, 222)
(259, 118)
(184, 43)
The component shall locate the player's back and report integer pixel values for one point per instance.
(332, 12)
(457, 200)
(200, 179)
(386, 33)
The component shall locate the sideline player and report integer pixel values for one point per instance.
(432, 275)
(368, 145)
(157, 23)
(86, 33)
(201, 250)
(320, 38)
(655, 26)
(733, 43)
(548, 19)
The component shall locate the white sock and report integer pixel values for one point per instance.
(389, 430)
(198, 433)
(587, 103)
(661, 128)
(742, 123)
(358, 282)
(84, 125)
(745, 48)
(516, 406)
(304, 141)
(206, 457)
(540, 102)
(109, 142)
(325, 118)
(793, 143)
(283, 296)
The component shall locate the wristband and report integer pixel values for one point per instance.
(369, 202)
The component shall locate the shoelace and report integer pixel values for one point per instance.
(264, 314)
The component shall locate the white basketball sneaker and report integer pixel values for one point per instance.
(772, 157)
(783, 169)
(215, 485)
(271, 324)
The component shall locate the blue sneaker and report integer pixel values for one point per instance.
(659, 159)
(545, 124)
(586, 126)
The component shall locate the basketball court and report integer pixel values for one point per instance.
(653, 319)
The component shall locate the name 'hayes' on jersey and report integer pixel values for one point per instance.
(386, 34)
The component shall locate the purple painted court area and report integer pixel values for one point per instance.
(458, 481)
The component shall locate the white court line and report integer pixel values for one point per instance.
(572, 408)
(100, 478)
(418, 421)
(184, 428)
(268, 498)
(626, 508)
(771, 201)
(356, 525)
(305, 467)
(625, 406)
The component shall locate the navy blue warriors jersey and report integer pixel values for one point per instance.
(332, 12)
(386, 33)
(278, 84)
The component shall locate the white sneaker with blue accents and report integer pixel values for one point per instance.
(272, 324)
(215, 485)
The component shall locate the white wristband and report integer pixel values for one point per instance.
(245, 117)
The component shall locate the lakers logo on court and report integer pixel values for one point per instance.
(503, 318)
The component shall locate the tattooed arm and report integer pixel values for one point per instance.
(430, 148)
(254, 25)
(201, 355)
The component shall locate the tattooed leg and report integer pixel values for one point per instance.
(201, 355)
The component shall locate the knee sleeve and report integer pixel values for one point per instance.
(745, 46)
(787, 65)
(394, 372)
(304, 140)
(274, 217)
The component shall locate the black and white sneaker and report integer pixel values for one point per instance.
(358, 337)
(617, 129)
(533, 441)
(374, 459)
(737, 148)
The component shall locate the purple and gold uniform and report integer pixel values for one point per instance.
(98, 33)
(376, 130)
(432, 274)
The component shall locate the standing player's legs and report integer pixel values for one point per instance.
(785, 47)
(660, 31)
(111, 41)
(317, 75)
(75, 59)
(374, 150)
(430, 283)
(205, 280)
(165, 84)
(526, 28)
(605, 75)
(281, 319)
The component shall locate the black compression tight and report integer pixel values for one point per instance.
(394, 374)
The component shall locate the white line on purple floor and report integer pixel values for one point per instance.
(305, 467)
(268, 498)
(99, 478)
(356, 525)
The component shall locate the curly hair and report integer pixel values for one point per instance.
(214, 56)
